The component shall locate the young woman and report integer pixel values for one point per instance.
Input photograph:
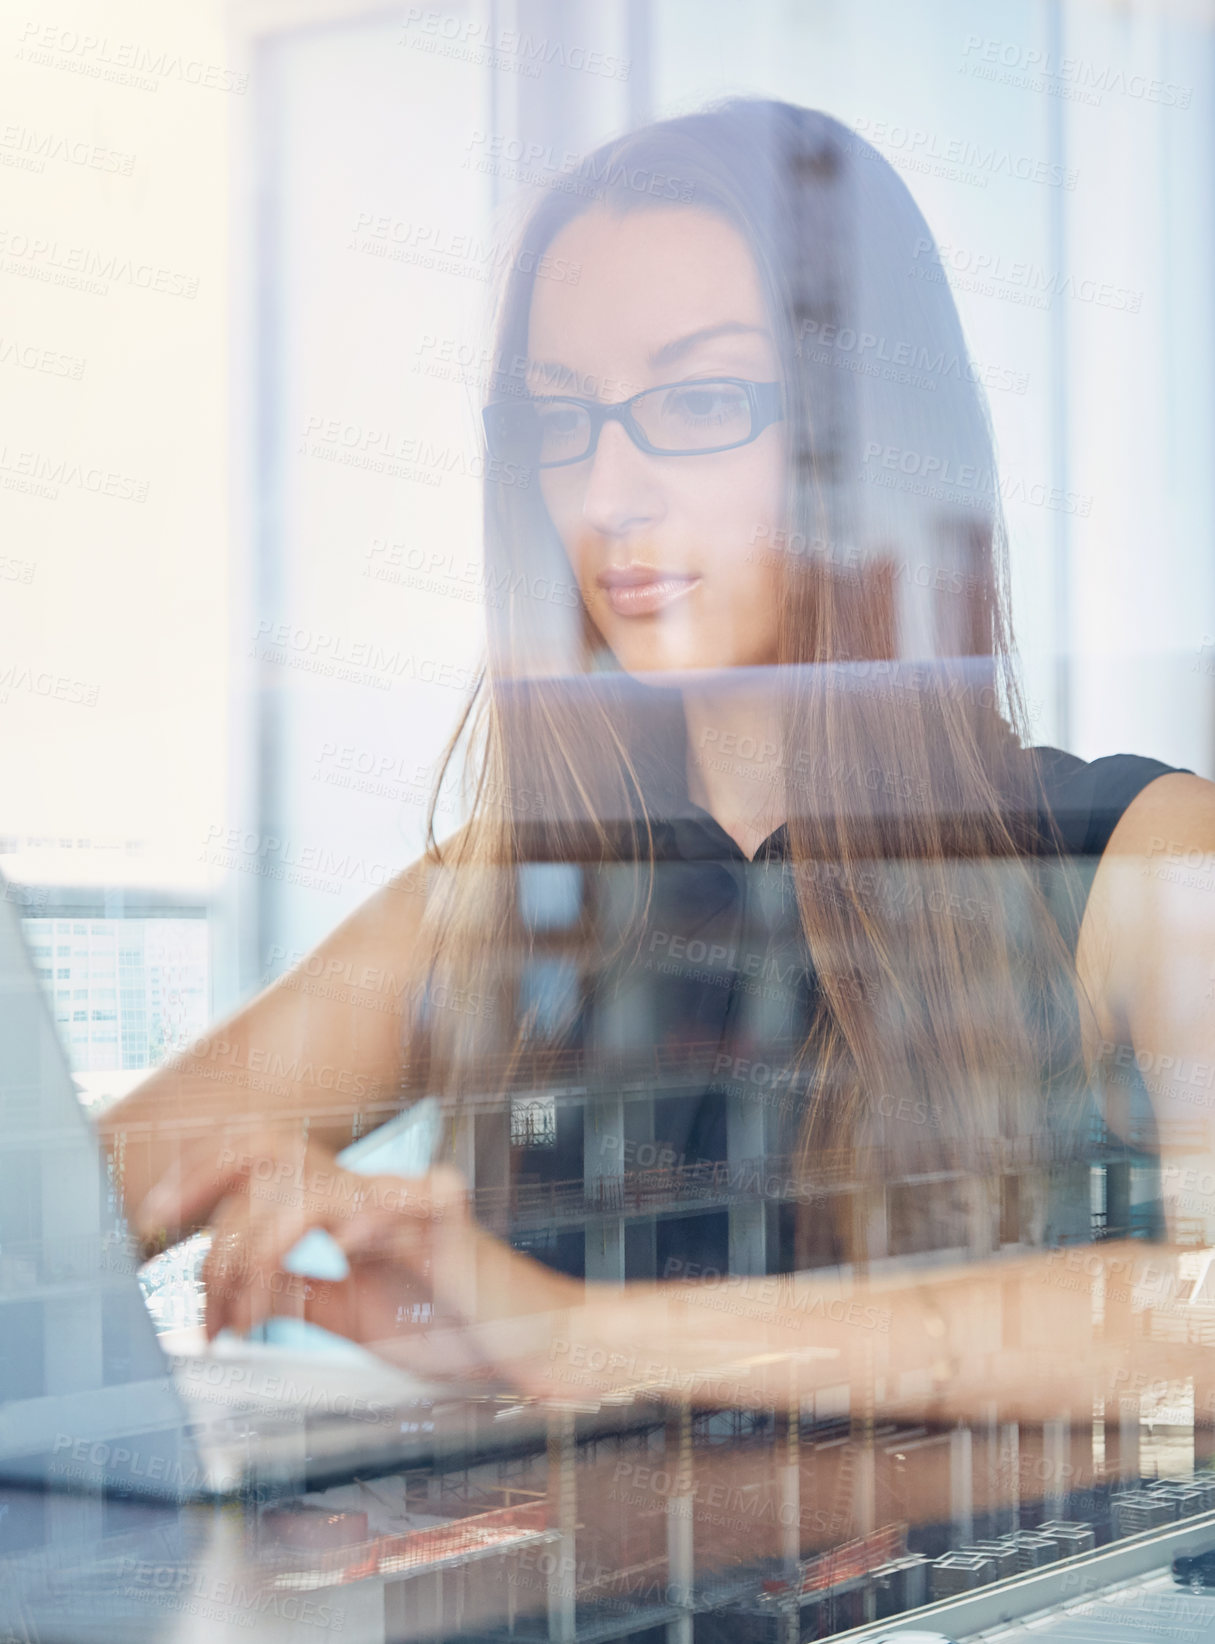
(751, 788)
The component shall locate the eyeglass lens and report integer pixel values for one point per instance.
(697, 416)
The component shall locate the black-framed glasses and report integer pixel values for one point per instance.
(676, 419)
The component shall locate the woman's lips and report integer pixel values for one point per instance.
(640, 592)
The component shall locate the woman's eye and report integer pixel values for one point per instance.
(559, 420)
(711, 403)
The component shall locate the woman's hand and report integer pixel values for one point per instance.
(269, 1164)
(427, 1287)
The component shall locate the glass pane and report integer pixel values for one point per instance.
(658, 1004)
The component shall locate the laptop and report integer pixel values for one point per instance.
(89, 1398)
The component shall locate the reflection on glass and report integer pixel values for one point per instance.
(818, 1221)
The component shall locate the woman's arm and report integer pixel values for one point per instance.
(1040, 1334)
(1024, 1337)
(1020, 1337)
(322, 1044)
(1030, 1336)
(1150, 921)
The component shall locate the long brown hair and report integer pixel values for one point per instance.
(945, 987)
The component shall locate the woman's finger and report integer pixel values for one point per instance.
(398, 1220)
(265, 1219)
(223, 1274)
(206, 1171)
(252, 1236)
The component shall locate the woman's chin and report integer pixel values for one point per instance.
(664, 661)
(671, 649)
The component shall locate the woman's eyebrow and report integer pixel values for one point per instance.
(669, 352)
(559, 376)
(551, 374)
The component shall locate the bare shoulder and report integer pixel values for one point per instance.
(1151, 908)
(1175, 812)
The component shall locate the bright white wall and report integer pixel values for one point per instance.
(114, 259)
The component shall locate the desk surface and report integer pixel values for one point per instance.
(724, 1526)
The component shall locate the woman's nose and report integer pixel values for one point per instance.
(623, 487)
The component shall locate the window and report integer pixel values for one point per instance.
(273, 650)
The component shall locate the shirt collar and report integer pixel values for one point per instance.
(655, 734)
(687, 830)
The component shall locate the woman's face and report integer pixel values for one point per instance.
(670, 552)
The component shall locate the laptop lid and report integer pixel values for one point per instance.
(87, 1400)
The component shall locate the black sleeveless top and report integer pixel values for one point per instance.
(700, 1025)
